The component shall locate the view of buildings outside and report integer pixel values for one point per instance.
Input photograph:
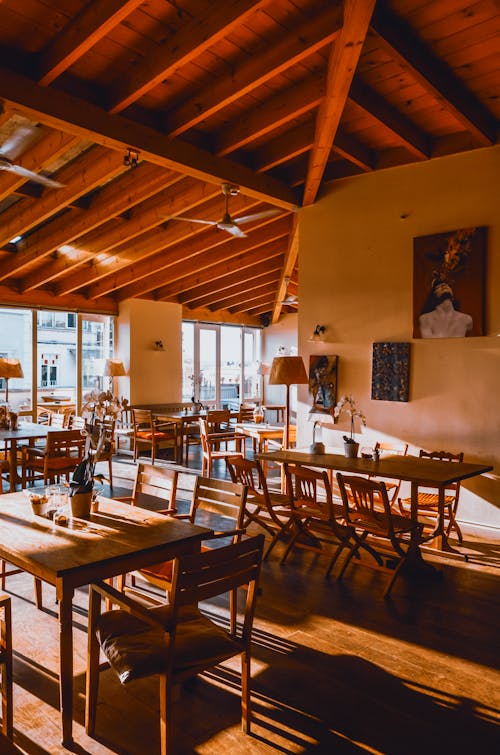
(55, 334)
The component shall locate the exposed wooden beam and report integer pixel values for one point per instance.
(198, 33)
(434, 76)
(205, 315)
(412, 138)
(41, 298)
(289, 264)
(255, 301)
(255, 287)
(342, 64)
(95, 20)
(284, 147)
(48, 148)
(185, 265)
(274, 112)
(228, 285)
(79, 177)
(264, 64)
(350, 148)
(118, 196)
(84, 119)
(203, 266)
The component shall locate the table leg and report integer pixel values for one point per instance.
(13, 465)
(415, 564)
(65, 597)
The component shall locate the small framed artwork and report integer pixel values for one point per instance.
(449, 284)
(391, 371)
(323, 382)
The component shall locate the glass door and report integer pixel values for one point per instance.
(207, 380)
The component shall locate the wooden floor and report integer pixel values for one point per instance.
(336, 668)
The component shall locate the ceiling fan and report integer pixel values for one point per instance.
(289, 299)
(15, 145)
(227, 223)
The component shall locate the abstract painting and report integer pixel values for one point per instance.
(323, 383)
(391, 371)
(448, 284)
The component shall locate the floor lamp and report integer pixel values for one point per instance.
(287, 371)
(113, 369)
(10, 368)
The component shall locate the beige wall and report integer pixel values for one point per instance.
(355, 263)
(282, 334)
(154, 376)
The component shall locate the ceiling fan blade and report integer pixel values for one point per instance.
(19, 141)
(233, 229)
(29, 174)
(258, 215)
(191, 220)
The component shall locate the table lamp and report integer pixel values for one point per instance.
(287, 371)
(113, 369)
(10, 368)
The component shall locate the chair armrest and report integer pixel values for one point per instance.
(128, 605)
(169, 512)
(33, 451)
(225, 533)
(125, 499)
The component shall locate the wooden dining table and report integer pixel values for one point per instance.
(183, 419)
(415, 470)
(29, 431)
(118, 538)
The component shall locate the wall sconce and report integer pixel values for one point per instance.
(158, 346)
(131, 159)
(318, 333)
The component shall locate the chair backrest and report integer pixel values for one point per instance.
(57, 420)
(65, 443)
(245, 413)
(247, 472)
(310, 489)
(444, 456)
(142, 420)
(107, 426)
(205, 575)
(218, 420)
(156, 481)
(76, 423)
(362, 499)
(219, 502)
(386, 449)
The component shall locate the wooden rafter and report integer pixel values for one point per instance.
(289, 264)
(342, 65)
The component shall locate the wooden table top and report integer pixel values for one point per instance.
(263, 430)
(408, 468)
(116, 531)
(25, 431)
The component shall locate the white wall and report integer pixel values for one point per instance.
(356, 263)
(153, 376)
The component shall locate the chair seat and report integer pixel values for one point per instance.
(56, 462)
(430, 500)
(146, 435)
(136, 649)
(377, 522)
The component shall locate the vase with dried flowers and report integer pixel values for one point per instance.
(347, 405)
(98, 406)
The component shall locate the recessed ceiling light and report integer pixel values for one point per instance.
(15, 240)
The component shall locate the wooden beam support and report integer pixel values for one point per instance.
(94, 21)
(265, 64)
(290, 261)
(198, 33)
(434, 76)
(342, 65)
(84, 119)
(47, 299)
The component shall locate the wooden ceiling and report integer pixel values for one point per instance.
(275, 97)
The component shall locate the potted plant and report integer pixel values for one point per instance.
(348, 405)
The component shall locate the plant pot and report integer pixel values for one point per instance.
(80, 504)
(351, 450)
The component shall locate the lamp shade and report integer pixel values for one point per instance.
(288, 371)
(114, 368)
(10, 368)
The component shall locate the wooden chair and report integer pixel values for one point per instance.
(57, 420)
(6, 667)
(245, 413)
(153, 433)
(159, 482)
(64, 449)
(270, 511)
(217, 504)
(315, 517)
(191, 437)
(428, 500)
(76, 422)
(211, 446)
(176, 641)
(382, 534)
(124, 432)
(108, 449)
(391, 449)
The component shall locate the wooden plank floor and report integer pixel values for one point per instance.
(336, 668)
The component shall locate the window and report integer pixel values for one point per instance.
(220, 363)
